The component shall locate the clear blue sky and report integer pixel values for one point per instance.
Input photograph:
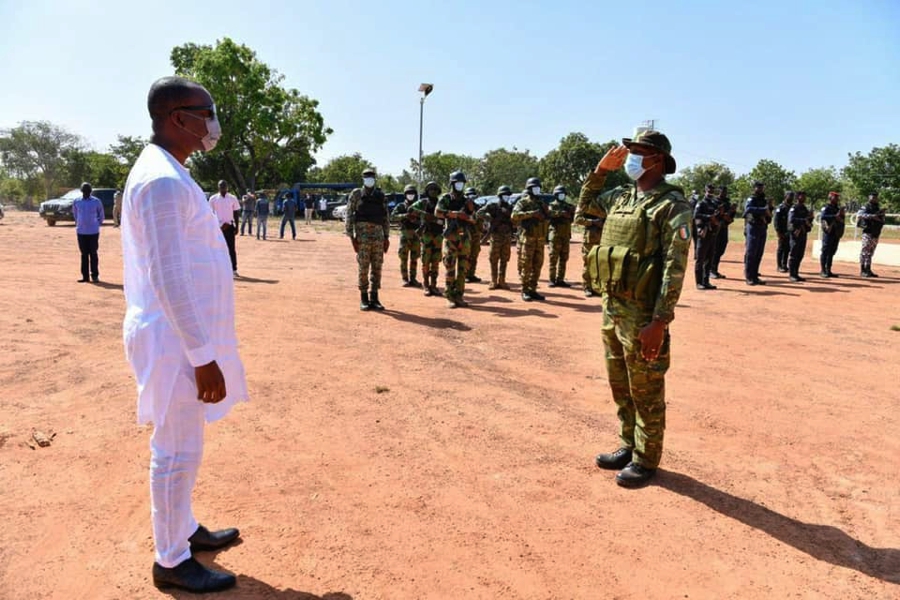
(802, 82)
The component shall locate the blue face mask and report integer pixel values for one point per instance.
(634, 166)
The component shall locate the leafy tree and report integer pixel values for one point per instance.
(570, 163)
(266, 128)
(817, 183)
(879, 171)
(35, 152)
(388, 183)
(697, 176)
(99, 169)
(342, 169)
(777, 179)
(505, 167)
(438, 166)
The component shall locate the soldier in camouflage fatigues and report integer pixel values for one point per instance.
(459, 214)
(410, 244)
(640, 266)
(431, 232)
(590, 214)
(500, 222)
(368, 227)
(561, 215)
(477, 232)
(530, 215)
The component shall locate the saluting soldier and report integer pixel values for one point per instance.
(458, 213)
(431, 232)
(590, 214)
(530, 215)
(410, 243)
(561, 215)
(499, 216)
(368, 227)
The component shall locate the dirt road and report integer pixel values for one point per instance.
(448, 454)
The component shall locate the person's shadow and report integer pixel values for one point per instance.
(822, 542)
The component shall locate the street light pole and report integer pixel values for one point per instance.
(425, 88)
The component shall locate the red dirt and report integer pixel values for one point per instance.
(448, 454)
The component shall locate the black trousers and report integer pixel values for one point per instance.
(798, 249)
(703, 253)
(721, 244)
(829, 249)
(784, 249)
(228, 232)
(89, 243)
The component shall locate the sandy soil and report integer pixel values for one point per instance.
(448, 454)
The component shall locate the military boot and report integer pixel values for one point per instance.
(634, 475)
(434, 288)
(373, 301)
(552, 278)
(413, 267)
(493, 285)
(364, 301)
(501, 278)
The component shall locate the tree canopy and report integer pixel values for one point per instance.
(504, 167)
(35, 152)
(342, 169)
(878, 171)
(696, 177)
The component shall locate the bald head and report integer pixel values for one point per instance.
(169, 93)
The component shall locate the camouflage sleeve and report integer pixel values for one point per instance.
(590, 205)
(484, 212)
(675, 236)
(398, 213)
(519, 212)
(443, 206)
(350, 221)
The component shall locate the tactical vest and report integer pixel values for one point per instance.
(433, 227)
(625, 263)
(455, 225)
(501, 223)
(371, 208)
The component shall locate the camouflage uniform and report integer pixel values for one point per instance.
(590, 214)
(367, 223)
(644, 249)
(498, 214)
(410, 242)
(477, 233)
(431, 235)
(530, 215)
(561, 215)
(457, 244)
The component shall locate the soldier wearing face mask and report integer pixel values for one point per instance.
(561, 215)
(410, 243)
(431, 232)
(590, 214)
(639, 265)
(500, 225)
(368, 228)
(478, 231)
(530, 215)
(458, 211)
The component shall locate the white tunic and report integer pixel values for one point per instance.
(179, 289)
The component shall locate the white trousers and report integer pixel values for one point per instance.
(176, 448)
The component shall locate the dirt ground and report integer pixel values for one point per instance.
(448, 454)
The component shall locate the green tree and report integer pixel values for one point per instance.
(878, 171)
(35, 152)
(777, 179)
(438, 166)
(817, 183)
(126, 151)
(99, 169)
(696, 177)
(266, 128)
(570, 163)
(505, 167)
(342, 169)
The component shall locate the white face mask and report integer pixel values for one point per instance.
(369, 182)
(536, 190)
(213, 131)
(410, 197)
(634, 166)
(561, 197)
(459, 185)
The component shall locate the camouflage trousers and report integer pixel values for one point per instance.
(475, 244)
(869, 243)
(370, 255)
(431, 254)
(531, 260)
(456, 265)
(638, 386)
(409, 252)
(590, 239)
(500, 251)
(559, 256)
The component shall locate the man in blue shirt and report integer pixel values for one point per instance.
(289, 206)
(88, 217)
(262, 216)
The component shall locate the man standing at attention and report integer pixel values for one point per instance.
(262, 216)
(431, 233)
(225, 205)
(289, 213)
(645, 247)
(799, 224)
(248, 209)
(179, 325)
(780, 220)
(499, 216)
(871, 218)
(410, 244)
(590, 214)
(530, 215)
(832, 221)
(728, 211)
(757, 216)
(88, 212)
(561, 215)
(323, 208)
(368, 228)
(458, 211)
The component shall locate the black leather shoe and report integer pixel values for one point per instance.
(760, 281)
(537, 296)
(193, 577)
(589, 293)
(552, 283)
(526, 296)
(81, 280)
(374, 303)
(414, 283)
(830, 274)
(634, 475)
(364, 301)
(407, 283)
(563, 283)
(614, 460)
(750, 282)
(204, 539)
(872, 274)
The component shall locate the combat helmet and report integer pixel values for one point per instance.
(410, 188)
(560, 189)
(504, 189)
(532, 182)
(470, 191)
(457, 176)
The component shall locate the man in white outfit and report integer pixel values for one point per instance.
(179, 324)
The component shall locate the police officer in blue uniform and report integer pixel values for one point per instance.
(799, 224)
(706, 228)
(727, 210)
(780, 219)
(832, 221)
(757, 216)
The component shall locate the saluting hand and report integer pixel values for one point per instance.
(210, 383)
(612, 160)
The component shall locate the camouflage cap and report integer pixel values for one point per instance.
(655, 140)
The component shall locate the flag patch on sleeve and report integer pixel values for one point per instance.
(684, 233)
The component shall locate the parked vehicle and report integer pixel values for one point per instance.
(60, 209)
